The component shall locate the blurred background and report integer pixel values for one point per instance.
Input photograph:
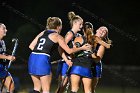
(121, 65)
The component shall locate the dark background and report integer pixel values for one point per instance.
(26, 18)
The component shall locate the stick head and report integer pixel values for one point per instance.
(14, 40)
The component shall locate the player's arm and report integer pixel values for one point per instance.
(33, 43)
(8, 57)
(101, 42)
(99, 55)
(64, 46)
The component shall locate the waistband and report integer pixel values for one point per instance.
(41, 53)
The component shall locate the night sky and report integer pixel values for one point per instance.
(26, 18)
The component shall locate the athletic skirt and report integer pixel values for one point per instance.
(97, 69)
(62, 68)
(3, 71)
(39, 64)
(81, 71)
(82, 66)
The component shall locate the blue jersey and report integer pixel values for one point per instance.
(63, 66)
(44, 44)
(2, 49)
(39, 60)
(97, 67)
(3, 70)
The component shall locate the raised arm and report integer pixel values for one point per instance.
(101, 42)
(33, 43)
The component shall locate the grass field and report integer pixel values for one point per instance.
(100, 89)
(114, 82)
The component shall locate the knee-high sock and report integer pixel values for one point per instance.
(73, 92)
(35, 91)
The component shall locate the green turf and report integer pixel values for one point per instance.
(100, 89)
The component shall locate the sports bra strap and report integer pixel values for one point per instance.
(72, 32)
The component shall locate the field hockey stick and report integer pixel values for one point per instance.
(14, 50)
(7, 67)
(61, 83)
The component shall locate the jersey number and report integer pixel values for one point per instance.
(42, 42)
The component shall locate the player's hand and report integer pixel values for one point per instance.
(11, 58)
(69, 62)
(87, 47)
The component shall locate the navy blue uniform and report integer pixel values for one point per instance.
(3, 63)
(39, 60)
(97, 67)
(82, 63)
(63, 66)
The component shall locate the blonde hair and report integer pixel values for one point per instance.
(53, 22)
(73, 17)
(107, 40)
